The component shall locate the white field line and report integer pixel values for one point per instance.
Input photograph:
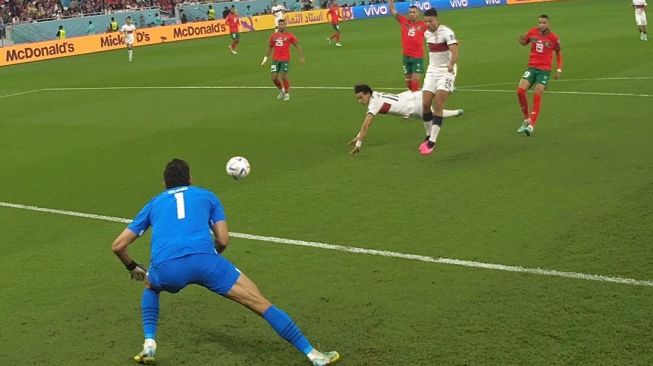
(330, 88)
(17, 94)
(382, 253)
(566, 81)
(462, 88)
(562, 92)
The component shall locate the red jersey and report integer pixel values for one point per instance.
(412, 37)
(281, 42)
(542, 47)
(333, 12)
(233, 21)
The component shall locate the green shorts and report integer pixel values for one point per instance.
(413, 65)
(537, 76)
(235, 36)
(279, 66)
(336, 27)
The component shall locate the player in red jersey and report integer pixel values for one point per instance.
(334, 13)
(412, 42)
(543, 43)
(233, 21)
(280, 42)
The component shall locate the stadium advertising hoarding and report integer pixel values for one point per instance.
(517, 2)
(380, 10)
(30, 52)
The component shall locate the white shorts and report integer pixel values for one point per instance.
(440, 79)
(129, 41)
(640, 19)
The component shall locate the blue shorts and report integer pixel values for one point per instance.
(212, 271)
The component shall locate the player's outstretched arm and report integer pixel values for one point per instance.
(119, 248)
(221, 233)
(558, 73)
(393, 10)
(358, 140)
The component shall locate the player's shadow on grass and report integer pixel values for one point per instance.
(263, 346)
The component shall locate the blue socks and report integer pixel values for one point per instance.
(150, 311)
(285, 327)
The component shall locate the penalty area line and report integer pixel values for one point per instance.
(374, 252)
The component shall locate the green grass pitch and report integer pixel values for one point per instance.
(577, 196)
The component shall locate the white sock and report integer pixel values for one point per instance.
(449, 113)
(314, 354)
(427, 127)
(150, 343)
(435, 130)
(129, 52)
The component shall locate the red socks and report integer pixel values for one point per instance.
(286, 85)
(523, 101)
(412, 85)
(537, 100)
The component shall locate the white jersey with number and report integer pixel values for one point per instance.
(406, 104)
(128, 30)
(438, 43)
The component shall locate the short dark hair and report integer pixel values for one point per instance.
(362, 88)
(431, 13)
(413, 7)
(177, 174)
(543, 16)
(281, 21)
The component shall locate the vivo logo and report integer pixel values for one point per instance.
(425, 5)
(376, 10)
(459, 3)
(492, 2)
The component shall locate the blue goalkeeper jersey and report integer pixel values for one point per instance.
(181, 219)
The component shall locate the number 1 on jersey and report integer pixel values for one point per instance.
(181, 207)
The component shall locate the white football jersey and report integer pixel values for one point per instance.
(403, 104)
(128, 30)
(278, 10)
(438, 43)
(639, 6)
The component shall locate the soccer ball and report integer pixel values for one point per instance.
(238, 167)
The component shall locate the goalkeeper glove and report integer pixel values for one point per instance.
(136, 271)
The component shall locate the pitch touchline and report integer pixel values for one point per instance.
(382, 253)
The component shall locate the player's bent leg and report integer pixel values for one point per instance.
(414, 78)
(537, 101)
(286, 85)
(428, 146)
(246, 293)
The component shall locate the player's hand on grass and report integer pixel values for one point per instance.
(136, 271)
